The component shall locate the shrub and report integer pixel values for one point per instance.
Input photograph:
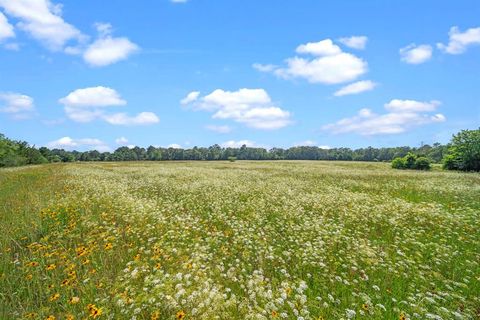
(232, 159)
(398, 163)
(411, 161)
(422, 163)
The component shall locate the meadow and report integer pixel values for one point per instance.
(242, 240)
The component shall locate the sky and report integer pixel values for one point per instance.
(103, 74)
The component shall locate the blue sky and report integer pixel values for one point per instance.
(101, 74)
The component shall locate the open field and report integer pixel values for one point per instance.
(243, 240)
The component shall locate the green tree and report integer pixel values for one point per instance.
(463, 152)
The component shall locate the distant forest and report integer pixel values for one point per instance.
(16, 153)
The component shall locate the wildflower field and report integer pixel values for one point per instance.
(243, 240)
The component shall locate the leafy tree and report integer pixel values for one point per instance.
(464, 151)
(422, 163)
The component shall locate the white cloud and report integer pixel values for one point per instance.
(329, 64)
(93, 97)
(310, 143)
(264, 67)
(121, 141)
(174, 146)
(6, 29)
(42, 20)
(355, 42)
(16, 103)
(106, 49)
(238, 144)
(252, 107)
(402, 115)
(88, 104)
(219, 129)
(321, 48)
(191, 97)
(460, 41)
(355, 88)
(179, 1)
(414, 54)
(143, 118)
(71, 144)
(397, 105)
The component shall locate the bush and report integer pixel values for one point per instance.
(411, 161)
(422, 163)
(463, 151)
(398, 163)
(232, 159)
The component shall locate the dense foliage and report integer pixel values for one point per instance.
(18, 153)
(464, 151)
(411, 161)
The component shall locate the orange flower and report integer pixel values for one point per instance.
(274, 314)
(54, 297)
(180, 315)
(51, 267)
(108, 246)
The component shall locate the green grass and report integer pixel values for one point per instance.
(242, 240)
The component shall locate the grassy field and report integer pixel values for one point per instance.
(244, 240)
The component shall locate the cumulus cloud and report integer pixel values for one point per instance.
(460, 41)
(174, 146)
(327, 64)
(401, 115)
(6, 29)
(219, 129)
(106, 49)
(88, 104)
(121, 141)
(414, 54)
(311, 143)
(238, 144)
(252, 107)
(355, 42)
(93, 97)
(19, 106)
(191, 97)
(143, 118)
(355, 88)
(85, 143)
(43, 21)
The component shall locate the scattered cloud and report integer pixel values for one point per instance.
(179, 1)
(310, 143)
(264, 67)
(106, 49)
(252, 107)
(355, 88)
(121, 141)
(401, 115)
(460, 41)
(43, 21)
(219, 129)
(19, 106)
(355, 42)
(143, 118)
(238, 144)
(6, 29)
(88, 104)
(74, 144)
(191, 97)
(174, 146)
(328, 64)
(414, 54)
(93, 97)
(321, 48)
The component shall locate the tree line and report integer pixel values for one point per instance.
(16, 153)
